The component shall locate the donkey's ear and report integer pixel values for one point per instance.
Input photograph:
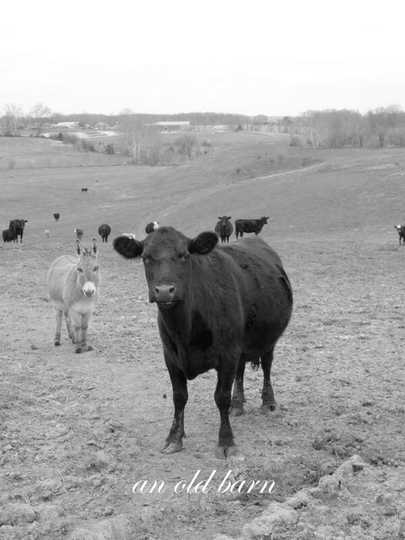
(128, 247)
(78, 248)
(203, 243)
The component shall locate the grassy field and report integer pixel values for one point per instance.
(77, 431)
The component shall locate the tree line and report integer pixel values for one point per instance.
(378, 128)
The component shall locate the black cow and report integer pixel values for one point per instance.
(218, 308)
(84, 189)
(9, 236)
(224, 228)
(17, 225)
(152, 226)
(56, 216)
(249, 225)
(104, 231)
(401, 233)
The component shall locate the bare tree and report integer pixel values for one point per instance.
(12, 116)
(40, 113)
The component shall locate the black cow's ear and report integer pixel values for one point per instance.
(127, 247)
(203, 243)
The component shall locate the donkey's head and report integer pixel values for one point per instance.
(88, 275)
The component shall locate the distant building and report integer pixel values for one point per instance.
(67, 124)
(171, 126)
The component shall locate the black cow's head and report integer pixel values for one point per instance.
(264, 219)
(166, 254)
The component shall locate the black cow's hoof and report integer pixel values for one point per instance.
(236, 411)
(56, 343)
(271, 406)
(172, 447)
(223, 452)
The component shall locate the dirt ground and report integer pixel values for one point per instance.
(77, 431)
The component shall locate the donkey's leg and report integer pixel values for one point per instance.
(84, 326)
(76, 326)
(59, 314)
(69, 326)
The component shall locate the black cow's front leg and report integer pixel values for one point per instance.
(174, 441)
(226, 445)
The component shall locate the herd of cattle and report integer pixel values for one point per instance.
(223, 228)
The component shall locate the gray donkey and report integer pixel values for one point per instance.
(73, 284)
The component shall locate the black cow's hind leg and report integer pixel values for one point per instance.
(226, 445)
(238, 396)
(268, 401)
(174, 441)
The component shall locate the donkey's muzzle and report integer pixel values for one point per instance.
(89, 289)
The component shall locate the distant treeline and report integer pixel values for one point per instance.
(325, 128)
(339, 128)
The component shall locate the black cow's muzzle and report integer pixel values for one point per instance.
(164, 295)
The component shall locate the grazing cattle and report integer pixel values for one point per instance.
(9, 236)
(79, 233)
(73, 287)
(84, 189)
(218, 308)
(152, 226)
(401, 233)
(249, 226)
(224, 228)
(104, 231)
(56, 216)
(17, 225)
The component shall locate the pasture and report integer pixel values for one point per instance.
(77, 431)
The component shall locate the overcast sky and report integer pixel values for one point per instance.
(166, 56)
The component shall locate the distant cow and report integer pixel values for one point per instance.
(104, 231)
(84, 189)
(56, 216)
(218, 308)
(47, 233)
(249, 225)
(78, 233)
(9, 236)
(152, 226)
(401, 233)
(17, 225)
(224, 228)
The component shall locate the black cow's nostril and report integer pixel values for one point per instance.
(171, 289)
